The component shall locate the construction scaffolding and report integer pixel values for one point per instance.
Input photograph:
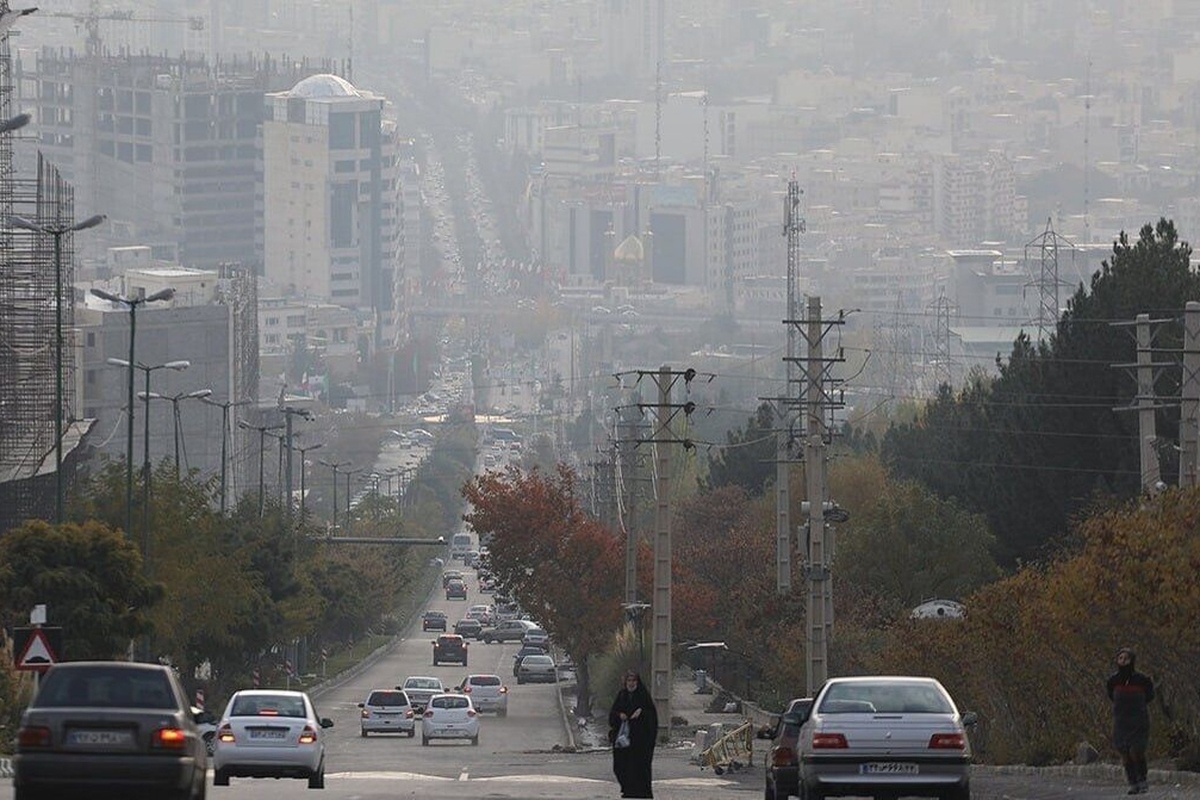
(30, 359)
(239, 291)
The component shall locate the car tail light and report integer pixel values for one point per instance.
(225, 734)
(169, 739)
(782, 756)
(947, 741)
(428, 713)
(33, 736)
(833, 741)
(503, 690)
(366, 713)
(408, 714)
(467, 689)
(308, 735)
(470, 712)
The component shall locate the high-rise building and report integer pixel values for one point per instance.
(331, 221)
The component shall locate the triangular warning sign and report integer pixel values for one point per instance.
(37, 652)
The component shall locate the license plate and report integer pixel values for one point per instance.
(268, 733)
(102, 738)
(888, 768)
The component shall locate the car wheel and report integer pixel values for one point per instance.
(412, 733)
(27, 793)
(959, 793)
(210, 744)
(520, 680)
(435, 662)
(317, 781)
(363, 733)
(221, 777)
(503, 712)
(475, 740)
(424, 740)
(487, 640)
(464, 662)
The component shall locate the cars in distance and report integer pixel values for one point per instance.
(450, 716)
(452, 575)
(537, 637)
(450, 647)
(522, 653)
(468, 628)
(782, 766)
(509, 630)
(112, 725)
(433, 621)
(488, 693)
(387, 711)
(456, 590)
(884, 735)
(270, 733)
(419, 688)
(537, 668)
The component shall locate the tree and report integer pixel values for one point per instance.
(556, 561)
(749, 455)
(90, 577)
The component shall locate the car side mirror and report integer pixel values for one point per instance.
(360, 705)
(970, 719)
(326, 722)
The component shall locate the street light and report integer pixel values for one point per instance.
(262, 446)
(303, 453)
(175, 399)
(335, 466)
(225, 406)
(133, 303)
(58, 232)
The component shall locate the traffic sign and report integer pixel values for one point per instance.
(37, 648)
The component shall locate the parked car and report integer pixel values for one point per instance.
(456, 590)
(512, 630)
(120, 726)
(522, 653)
(387, 711)
(885, 735)
(433, 621)
(468, 628)
(450, 716)
(270, 733)
(420, 688)
(450, 647)
(537, 668)
(782, 765)
(488, 693)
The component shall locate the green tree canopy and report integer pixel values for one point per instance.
(748, 458)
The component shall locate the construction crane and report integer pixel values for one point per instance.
(90, 20)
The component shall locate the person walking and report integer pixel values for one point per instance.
(634, 708)
(1131, 692)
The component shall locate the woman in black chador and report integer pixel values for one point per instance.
(631, 764)
(1131, 692)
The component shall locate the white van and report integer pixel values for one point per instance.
(461, 544)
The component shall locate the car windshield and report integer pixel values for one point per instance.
(268, 705)
(387, 698)
(106, 687)
(451, 702)
(885, 698)
(423, 683)
(485, 680)
(534, 660)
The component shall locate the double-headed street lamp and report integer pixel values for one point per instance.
(132, 303)
(175, 399)
(335, 466)
(224, 406)
(262, 447)
(303, 451)
(58, 231)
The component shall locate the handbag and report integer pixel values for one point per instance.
(622, 739)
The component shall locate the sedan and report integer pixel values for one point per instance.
(387, 711)
(433, 621)
(114, 726)
(892, 735)
(270, 733)
(450, 716)
(537, 668)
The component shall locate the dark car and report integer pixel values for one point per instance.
(433, 621)
(468, 628)
(783, 767)
(450, 647)
(456, 590)
(113, 726)
(452, 575)
(529, 650)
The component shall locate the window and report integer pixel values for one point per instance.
(341, 131)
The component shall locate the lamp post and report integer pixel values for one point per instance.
(58, 231)
(288, 413)
(335, 466)
(348, 474)
(303, 451)
(175, 399)
(132, 303)
(262, 446)
(225, 406)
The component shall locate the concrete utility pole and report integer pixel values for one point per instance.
(626, 481)
(1189, 411)
(660, 654)
(1147, 402)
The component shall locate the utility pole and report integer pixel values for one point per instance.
(660, 654)
(289, 412)
(335, 466)
(626, 480)
(1146, 402)
(1189, 411)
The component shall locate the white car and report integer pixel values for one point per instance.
(450, 716)
(387, 711)
(488, 693)
(270, 733)
(537, 668)
(420, 688)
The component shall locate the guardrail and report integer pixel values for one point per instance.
(730, 752)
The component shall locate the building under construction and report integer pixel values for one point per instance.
(31, 356)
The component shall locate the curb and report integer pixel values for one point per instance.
(1100, 771)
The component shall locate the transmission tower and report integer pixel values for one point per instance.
(939, 312)
(1044, 248)
(793, 226)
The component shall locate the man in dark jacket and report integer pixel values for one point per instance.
(1131, 692)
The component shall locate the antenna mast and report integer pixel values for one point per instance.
(1087, 135)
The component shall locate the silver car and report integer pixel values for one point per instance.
(270, 733)
(387, 711)
(884, 736)
(537, 668)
